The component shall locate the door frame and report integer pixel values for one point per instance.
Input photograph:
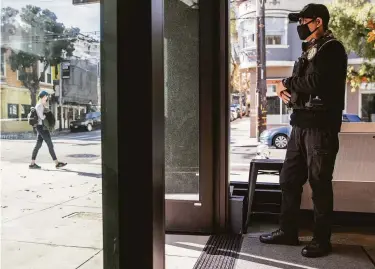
(132, 149)
(210, 213)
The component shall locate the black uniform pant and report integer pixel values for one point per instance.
(43, 135)
(310, 155)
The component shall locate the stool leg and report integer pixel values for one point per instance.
(252, 185)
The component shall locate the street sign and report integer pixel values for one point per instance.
(65, 66)
(84, 2)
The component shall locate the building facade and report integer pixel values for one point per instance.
(15, 98)
(283, 47)
(80, 92)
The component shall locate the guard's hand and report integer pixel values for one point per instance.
(282, 92)
(285, 96)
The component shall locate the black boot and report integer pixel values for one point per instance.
(280, 237)
(317, 249)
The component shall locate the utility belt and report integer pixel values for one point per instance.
(312, 103)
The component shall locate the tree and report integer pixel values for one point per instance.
(41, 38)
(352, 22)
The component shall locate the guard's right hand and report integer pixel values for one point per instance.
(285, 96)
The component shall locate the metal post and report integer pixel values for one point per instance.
(261, 84)
(60, 99)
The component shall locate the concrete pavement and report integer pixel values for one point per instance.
(51, 218)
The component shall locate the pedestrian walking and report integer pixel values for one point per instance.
(316, 92)
(43, 133)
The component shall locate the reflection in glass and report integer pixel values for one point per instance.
(50, 207)
(181, 98)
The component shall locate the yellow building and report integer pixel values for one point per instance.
(15, 99)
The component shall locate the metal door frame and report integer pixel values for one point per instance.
(209, 214)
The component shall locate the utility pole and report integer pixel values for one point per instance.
(60, 98)
(261, 84)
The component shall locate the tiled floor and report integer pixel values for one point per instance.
(353, 249)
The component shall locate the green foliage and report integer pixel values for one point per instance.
(351, 23)
(47, 41)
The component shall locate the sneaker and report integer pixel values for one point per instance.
(34, 166)
(60, 164)
(316, 249)
(280, 237)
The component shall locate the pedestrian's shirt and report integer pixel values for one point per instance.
(40, 112)
(324, 76)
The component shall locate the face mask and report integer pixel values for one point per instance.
(304, 31)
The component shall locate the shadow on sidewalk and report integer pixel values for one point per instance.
(79, 173)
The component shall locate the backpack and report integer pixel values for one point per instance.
(32, 117)
(50, 120)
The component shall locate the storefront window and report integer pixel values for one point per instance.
(51, 202)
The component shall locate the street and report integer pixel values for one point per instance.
(73, 148)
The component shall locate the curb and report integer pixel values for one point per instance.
(28, 135)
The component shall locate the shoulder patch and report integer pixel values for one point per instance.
(312, 52)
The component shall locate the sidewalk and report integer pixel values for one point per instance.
(51, 218)
(240, 133)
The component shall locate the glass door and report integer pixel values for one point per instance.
(188, 165)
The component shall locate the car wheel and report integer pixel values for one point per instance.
(280, 141)
(89, 127)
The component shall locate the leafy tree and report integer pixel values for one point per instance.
(8, 22)
(43, 39)
(352, 22)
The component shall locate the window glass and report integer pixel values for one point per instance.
(12, 111)
(51, 213)
(276, 31)
(25, 110)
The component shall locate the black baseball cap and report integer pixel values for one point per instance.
(311, 11)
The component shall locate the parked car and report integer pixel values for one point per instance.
(237, 108)
(233, 114)
(278, 137)
(88, 122)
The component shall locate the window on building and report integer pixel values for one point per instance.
(2, 65)
(49, 75)
(273, 40)
(271, 89)
(47, 78)
(273, 105)
(25, 110)
(12, 111)
(247, 30)
(368, 107)
(276, 31)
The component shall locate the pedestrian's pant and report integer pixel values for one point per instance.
(43, 135)
(311, 155)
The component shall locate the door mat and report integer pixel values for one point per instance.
(254, 254)
(220, 252)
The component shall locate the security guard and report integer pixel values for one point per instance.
(316, 92)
